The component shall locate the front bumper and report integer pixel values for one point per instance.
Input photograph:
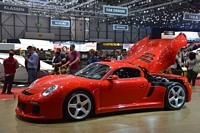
(36, 106)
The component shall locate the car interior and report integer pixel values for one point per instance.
(127, 73)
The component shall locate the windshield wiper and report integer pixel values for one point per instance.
(90, 77)
(85, 76)
(82, 76)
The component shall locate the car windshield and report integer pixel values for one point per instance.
(94, 71)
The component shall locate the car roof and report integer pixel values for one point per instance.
(118, 63)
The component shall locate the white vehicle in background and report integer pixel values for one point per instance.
(196, 50)
(21, 74)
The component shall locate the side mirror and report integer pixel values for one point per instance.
(114, 77)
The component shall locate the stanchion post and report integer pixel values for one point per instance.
(14, 95)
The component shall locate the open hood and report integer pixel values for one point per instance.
(157, 54)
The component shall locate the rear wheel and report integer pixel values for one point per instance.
(175, 96)
(78, 105)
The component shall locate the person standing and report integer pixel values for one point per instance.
(99, 56)
(32, 64)
(117, 56)
(38, 67)
(26, 61)
(57, 62)
(63, 70)
(123, 53)
(92, 58)
(190, 63)
(62, 55)
(73, 60)
(176, 68)
(10, 65)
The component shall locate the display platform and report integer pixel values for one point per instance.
(17, 88)
(15, 94)
(185, 120)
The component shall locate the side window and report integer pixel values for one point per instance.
(127, 73)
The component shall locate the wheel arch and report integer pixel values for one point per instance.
(168, 86)
(180, 82)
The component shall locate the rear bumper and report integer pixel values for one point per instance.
(189, 91)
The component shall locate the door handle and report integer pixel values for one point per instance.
(142, 86)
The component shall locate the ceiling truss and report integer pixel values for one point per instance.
(148, 13)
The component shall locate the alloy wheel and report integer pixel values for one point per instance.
(79, 106)
(176, 96)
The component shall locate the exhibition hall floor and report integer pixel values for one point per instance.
(185, 120)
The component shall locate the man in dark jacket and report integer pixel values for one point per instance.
(57, 62)
(10, 65)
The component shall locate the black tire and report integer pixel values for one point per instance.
(78, 106)
(175, 96)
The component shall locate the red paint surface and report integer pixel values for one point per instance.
(110, 95)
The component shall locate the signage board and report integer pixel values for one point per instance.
(80, 46)
(14, 9)
(98, 29)
(60, 23)
(112, 44)
(191, 16)
(169, 32)
(38, 25)
(120, 27)
(115, 10)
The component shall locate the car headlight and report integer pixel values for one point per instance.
(49, 90)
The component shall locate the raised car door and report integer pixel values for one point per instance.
(128, 89)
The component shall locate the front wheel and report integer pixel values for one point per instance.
(175, 96)
(78, 105)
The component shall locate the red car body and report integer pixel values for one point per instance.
(147, 88)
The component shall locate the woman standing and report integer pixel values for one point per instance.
(190, 63)
(92, 58)
(99, 56)
(117, 56)
(56, 62)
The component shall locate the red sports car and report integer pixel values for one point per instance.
(108, 86)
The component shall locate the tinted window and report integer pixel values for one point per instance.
(94, 71)
(127, 73)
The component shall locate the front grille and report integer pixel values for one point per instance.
(36, 110)
(26, 93)
(22, 106)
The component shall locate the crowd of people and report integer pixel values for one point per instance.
(185, 59)
(99, 56)
(70, 61)
(67, 60)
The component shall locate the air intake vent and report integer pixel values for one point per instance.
(147, 57)
(26, 93)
